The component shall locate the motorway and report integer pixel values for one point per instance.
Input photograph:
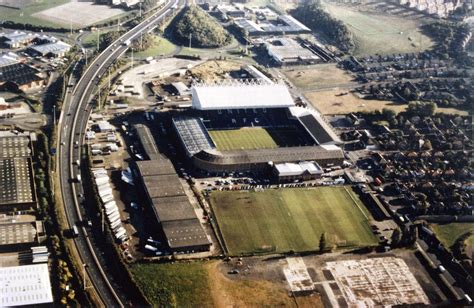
(71, 127)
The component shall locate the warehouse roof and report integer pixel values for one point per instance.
(55, 48)
(293, 169)
(15, 146)
(285, 49)
(185, 233)
(147, 141)
(8, 59)
(16, 181)
(173, 208)
(163, 186)
(19, 74)
(241, 96)
(25, 285)
(155, 167)
(17, 233)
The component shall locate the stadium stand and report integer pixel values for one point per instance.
(315, 126)
(257, 160)
(237, 95)
(193, 134)
(299, 134)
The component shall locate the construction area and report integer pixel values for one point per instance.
(376, 282)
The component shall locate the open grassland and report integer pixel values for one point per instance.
(291, 219)
(449, 233)
(24, 15)
(381, 33)
(244, 138)
(174, 285)
(332, 102)
(79, 14)
(202, 284)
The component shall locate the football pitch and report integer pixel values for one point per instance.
(250, 138)
(275, 221)
(247, 138)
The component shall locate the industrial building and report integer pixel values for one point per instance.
(19, 232)
(25, 285)
(52, 49)
(16, 39)
(19, 76)
(172, 209)
(233, 105)
(17, 192)
(286, 51)
(16, 185)
(295, 171)
(284, 24)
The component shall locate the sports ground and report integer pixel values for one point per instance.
(250, 138)
(274, 221)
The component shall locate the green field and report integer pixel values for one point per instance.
(174, 285)
(291, 219)
(24, 15)
(449, 233)
(380, 33)
(160, 46)
(245, 138)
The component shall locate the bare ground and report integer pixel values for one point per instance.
(252, 292)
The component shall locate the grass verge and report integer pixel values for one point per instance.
(449, 233)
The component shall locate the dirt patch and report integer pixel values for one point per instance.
(332, 102)
(318, 76)
(250, 292)
(215, 70)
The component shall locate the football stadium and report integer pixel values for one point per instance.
(245, 126)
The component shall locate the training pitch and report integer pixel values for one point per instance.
(274, 221)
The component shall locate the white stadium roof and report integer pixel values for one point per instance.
(25, 285)
(241, 96)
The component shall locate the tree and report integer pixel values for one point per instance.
(396, 237)
(312, 14)
(389, 114)
(427, 145)
(194, 24)
(322, 242)
(423, 109)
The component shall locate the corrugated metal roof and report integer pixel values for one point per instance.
(25, 285)
(241, 96)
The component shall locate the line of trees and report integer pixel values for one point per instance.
(312, 14)
(448, 37)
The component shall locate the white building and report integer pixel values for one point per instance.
(237, 95)
(25, 285)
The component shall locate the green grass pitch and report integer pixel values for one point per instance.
(248, 138)
(291, 219)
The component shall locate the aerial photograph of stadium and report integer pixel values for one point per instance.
(178, 153)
